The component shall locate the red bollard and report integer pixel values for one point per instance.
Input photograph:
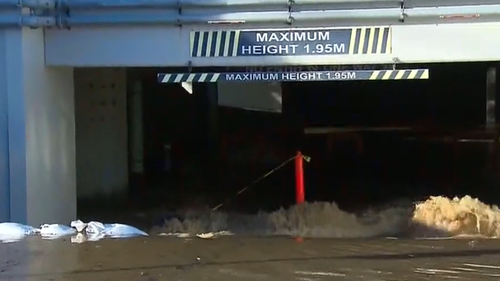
(299, 178)
(299, 184)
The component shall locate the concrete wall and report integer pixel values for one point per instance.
(37, 139)
(251, 96)
(50, 134)
(101, 132)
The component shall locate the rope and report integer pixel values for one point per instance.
(248, 186)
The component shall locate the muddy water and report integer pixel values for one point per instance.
(437, 239)
(435, 217)
(235, 258)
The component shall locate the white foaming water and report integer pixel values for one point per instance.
(435, 217)
(457, 217)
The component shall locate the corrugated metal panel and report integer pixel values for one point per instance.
(444, 3)
(4, 135)
(299, 12)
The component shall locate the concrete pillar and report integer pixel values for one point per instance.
(213, 118)
(136, 129)
(136, 139)
(492, 152)
(207, 121)
(207, 127)
(37, 133)
(491, 79)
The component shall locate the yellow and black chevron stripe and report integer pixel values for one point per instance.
(403, 74)
(370, 41)
(219, 43)
(188, 77)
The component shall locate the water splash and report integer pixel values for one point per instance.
(436, 217)
(458, 216)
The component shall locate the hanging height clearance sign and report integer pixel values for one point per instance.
(291, 42)
(299, 76)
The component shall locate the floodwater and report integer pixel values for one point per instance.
(439, 239)
(251, 258)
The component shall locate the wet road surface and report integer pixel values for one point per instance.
(251, 258)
